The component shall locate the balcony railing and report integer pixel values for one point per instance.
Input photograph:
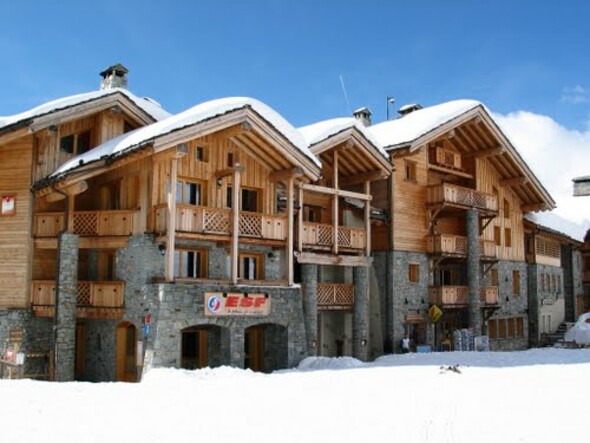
(447, 193)
(449, 295)
(444, 157)
(87, 223)
(335, 295)
(459, 295)
(94, 299)
(318, 235)
(442, 244)
(204, 220)
(489, 295)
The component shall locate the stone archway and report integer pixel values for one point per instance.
(204, 346)
(266, 347)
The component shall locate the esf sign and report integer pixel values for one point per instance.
(236, 303)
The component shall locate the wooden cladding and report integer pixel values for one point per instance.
(87, 223)
(204, 220)
(458, 296)
(457, 244)
(318, 236)
(335, 296)
(547, 248)
(96, 299)
(447, 193)
(444, 157)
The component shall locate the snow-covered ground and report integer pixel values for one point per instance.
(531, 396)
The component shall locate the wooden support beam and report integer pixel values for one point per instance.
(362, 178)
(335, 199)
(234, 246)
(285, 174)
(485, 225)
(300, 222)
(450, 171)
(74, 189)
(485, 152)
(335, 260)
(338, 192)
(250, 151)
(290, 229)
(170, 246)
(368, 219)
(522, 180)
(533, 207)
(71, 208)
(229, 171)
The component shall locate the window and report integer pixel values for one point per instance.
(516, 283)
(127, 127)
(230, 159)
(506, 209)
(559, 284)
(190, 192)
(519, 327)
(250, 267)
(413, 273)
(250, 199)
(201, 154)
(508, 237)
(510, 324)
(75, 143)
(501, 328)
(312, 214)
(494, 280)
(543, 287)
(493, 329)
(410, 170)
(498, 235)
(190, 264)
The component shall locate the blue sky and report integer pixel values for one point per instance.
(512, 55)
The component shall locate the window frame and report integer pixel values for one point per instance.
(258, 260)
(413, 272)
(200, 268)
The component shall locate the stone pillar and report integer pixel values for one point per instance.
(65, 321)
(473, 271)
(236, 347)
(309, 288)
(360, 315)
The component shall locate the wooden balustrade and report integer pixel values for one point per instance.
(489, 295)
(94, 299)
(457, 244)
(87, 223)
(335, 295)
(205, 220)
(449, 295)
(322, 235)
(461, 196)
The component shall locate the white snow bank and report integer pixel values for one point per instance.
(320, 131)
(324, 363)
(394, 133)
(580, 332)
(148, 105)
(192, 116)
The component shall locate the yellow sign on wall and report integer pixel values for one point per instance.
(434, 313)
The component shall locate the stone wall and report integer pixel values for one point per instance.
(571, 262)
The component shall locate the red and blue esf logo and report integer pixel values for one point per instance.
(214, 304)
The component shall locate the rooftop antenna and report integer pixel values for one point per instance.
(390, 101)
(345, 95)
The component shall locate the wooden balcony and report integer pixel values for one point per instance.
(449, 296)
(489, 295)
(217, 221)
(448, 244)
(95, 299)
(445, 158)
(448, 194)
(321, 237)
(335, 296)
(87, 223)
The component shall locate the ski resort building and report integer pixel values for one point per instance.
(131, 238)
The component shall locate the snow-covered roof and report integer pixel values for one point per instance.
(320, 131)
(204, 111)
(559, 224)
(404, 130)
(146, 104)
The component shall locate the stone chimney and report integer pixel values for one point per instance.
(363, 115)
(408, 109)
(114, 77)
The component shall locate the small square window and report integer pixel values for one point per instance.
(230, 159)
(66, 144)
(410, 170)
(508, 237)
(498, 235)
(201, 153)
(516, 283)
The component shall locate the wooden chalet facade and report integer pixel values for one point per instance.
(222, 235)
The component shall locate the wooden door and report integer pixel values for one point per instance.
(254, 348)
(194, 354)
(80, 356)
(126, 352)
